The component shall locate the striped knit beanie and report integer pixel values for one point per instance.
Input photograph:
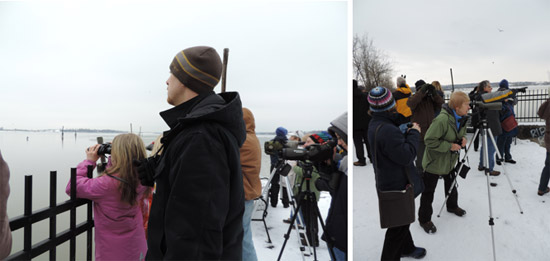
(380, 99)
(199, 68)
(320, 137)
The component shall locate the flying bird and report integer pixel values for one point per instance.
(500, 30)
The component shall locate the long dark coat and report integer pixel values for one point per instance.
(198, 203)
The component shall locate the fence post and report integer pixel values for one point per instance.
(53, 218)
(27, 230)
(72, 242)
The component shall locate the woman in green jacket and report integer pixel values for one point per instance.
(444, 139)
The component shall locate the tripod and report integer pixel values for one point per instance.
(309, 196)
(282, 169)
(485, 132)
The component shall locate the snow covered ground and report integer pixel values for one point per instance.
(516, 236)
(277, 229)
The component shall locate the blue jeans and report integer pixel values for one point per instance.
(339, 255)
(491, 150)
(249, 253)
(545, 175)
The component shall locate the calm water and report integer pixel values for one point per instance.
(38, 153)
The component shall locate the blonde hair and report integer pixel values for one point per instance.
(457, 99)
(125, 149)
(437, 85)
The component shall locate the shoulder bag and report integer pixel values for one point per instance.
(396, 207)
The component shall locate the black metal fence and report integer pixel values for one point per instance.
(50, 244)
(528, 104)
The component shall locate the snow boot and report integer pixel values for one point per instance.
(540, 193)
(457, 211)
(429, 227)
(418, 253)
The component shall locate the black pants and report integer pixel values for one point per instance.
(309, 213)
(420, 155)
(425, 210)
(274, 190)
(476, 140)
(398, 241)
(360, 137)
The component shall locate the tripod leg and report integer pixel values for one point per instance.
(504, 172)
(455, 179)
(293, 219)
(292, 203)
(486, 164)
(327, 235)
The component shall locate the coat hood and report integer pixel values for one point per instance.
(340, 126)
(224, 109)
(249, 121)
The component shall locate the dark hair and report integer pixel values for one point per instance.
(481, 86)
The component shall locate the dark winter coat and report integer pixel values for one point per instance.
(337, 218)
(198, 203)
(392, 151)
(423, 108)
(493, 117)
(275, 158)
(361, 117)
(438, 158)
(544, 113)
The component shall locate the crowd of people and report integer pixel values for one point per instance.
(421, 143)
(193, 198)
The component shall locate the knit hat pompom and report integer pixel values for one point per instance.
(320, 137)
(199, 68)
(503, 84)
(380, 99)
(281, 131)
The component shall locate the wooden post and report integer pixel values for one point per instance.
(452, 81)
(224, 70)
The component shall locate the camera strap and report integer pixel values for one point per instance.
(117, 178)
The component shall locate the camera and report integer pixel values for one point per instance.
(273, 147)
(104, 149)
(314, 152)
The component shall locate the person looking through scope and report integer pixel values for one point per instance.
(280, 136)
(308, 211)
(119, 231)
(444, 138)
(493, 121)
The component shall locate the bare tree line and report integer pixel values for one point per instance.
(371, 67)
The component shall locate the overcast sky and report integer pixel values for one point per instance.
(425, 38)
(104, 65)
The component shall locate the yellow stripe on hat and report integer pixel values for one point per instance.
(195, 72)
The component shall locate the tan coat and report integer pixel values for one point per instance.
(544, 113)
(5, 232)
(251, 159)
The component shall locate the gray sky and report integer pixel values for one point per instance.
(104, 65)
(424, 38)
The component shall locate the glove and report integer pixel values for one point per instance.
(523, 89)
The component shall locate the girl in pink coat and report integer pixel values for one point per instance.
(119, 232)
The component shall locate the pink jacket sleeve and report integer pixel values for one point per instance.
(5, 232)
(88, 188)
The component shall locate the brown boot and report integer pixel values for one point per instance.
(494, 173)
